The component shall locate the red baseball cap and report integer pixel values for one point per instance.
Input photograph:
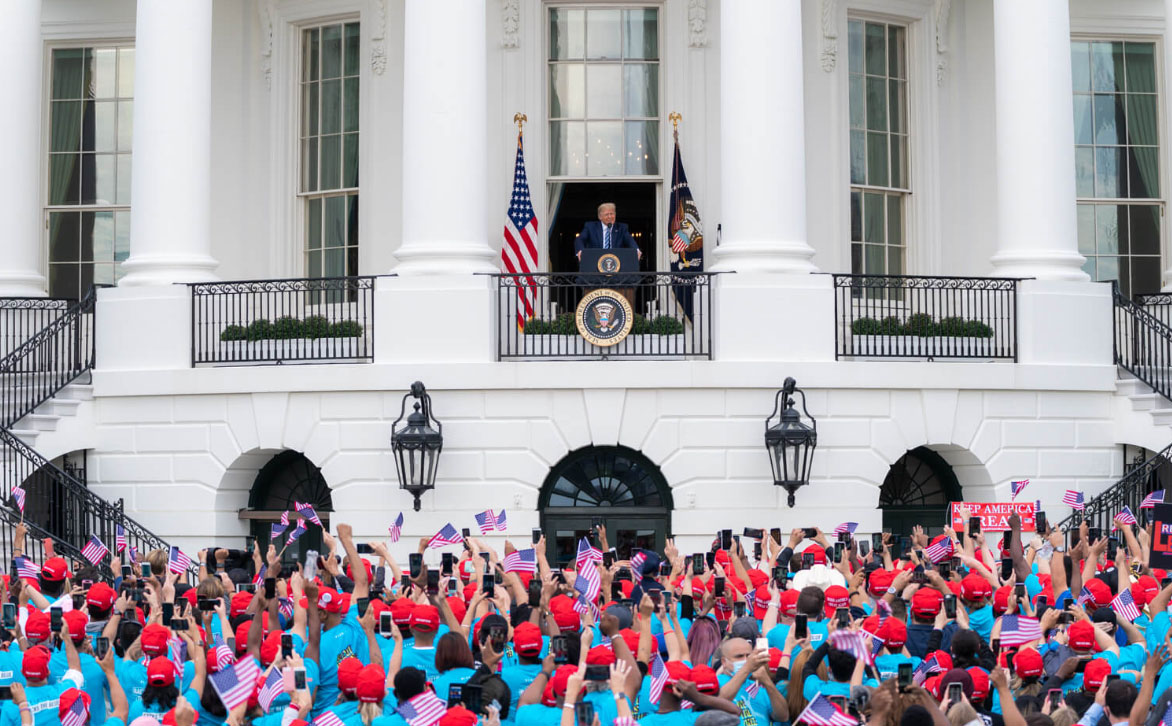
(401, 611)
(458, 716)
(631, 638)
(1096, 672)
(974, 587)
(269, 648)
(1100, 593)
(980, 682)
(818, 552)
(102, 596)
(240, 602)
(1081, 635)
(154, 640)
(880, 581)
(1027, 663)
(837, 596)
(161, 672)
(677, 671)
(37, 627)
(567, 620)
(67, 701)
(706, 680)
(789, 603)
(459, 609)
(372, 687)
(424, 617)
(527, 639)
(600, 655)
(1144, 589)
(55, 569)
(76, 620)
(35, 665)
(348, 671)
(926, 602)
(894, 633)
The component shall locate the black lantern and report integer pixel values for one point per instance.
(790, 442)
(417, 445)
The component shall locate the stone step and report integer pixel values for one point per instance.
(63, 407)
(41, 421)
(1162, 416)
(28, 436)
(1145, 401)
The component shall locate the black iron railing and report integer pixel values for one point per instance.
(315, 320)
(671, 316)
(901, 316)
(1158, 305)
(1127, 492)
(1143, 343)
(34, 547)
(23, 317)
(47, 361)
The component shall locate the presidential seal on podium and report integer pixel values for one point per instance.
(609, 264)
(604, 317)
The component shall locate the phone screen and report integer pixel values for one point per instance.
(362, 603)
(415, 562)
(800, 628)
(446, 563)
(101, 647)
(955, 691)
(775, 533)
(168, 614)
(9, 615)
(974, 526)
(146, 569)
(697, 564)
(905, 674)
(299, 679)
(286, 645)
(270, 588)
(718, 586)
(584, 713)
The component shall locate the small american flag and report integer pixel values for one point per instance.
(26, 568)
(588, 582)
(285, 518)
(658, 676)
(1019, 630)
(1149, 502)
(177, 651)
(637, 561)
(821, 712)
(1016, 487)
(927, 667)
(1074, 500)
(296, 532)
(486, 521)
(1126, 516)
(235, 685)
(223, 656)
(133, 553)
(77, 715)
(446, 536)
(519, 251)
(94, 550)
(423, 710)
(305, 509)
(502, 522)
(273, 687)
(276, 531)
(846, 527)
(1085, 596)
(396, 529)
(587, 554)
(852, 642)
(940, 551)
(260, 575)
(119, 539)
(884, 610)
(18, 494)
(521, 561)
(180, 563)
(286, 607)
(329, 718)
(1124, 604)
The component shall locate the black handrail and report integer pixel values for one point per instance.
(1127, 492)
(34, 543)
(1143, 344)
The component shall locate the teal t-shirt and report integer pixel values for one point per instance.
(95, 680)
(138, 709)
(536, 714)
(755, 710)
(981, 622)
(345, 639)
(454, 676)
(43, 702)
(888, 664)
(423, 659)
(518, 678)
(674, 718)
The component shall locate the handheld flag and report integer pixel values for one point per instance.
(235, 685)
(423, 710)
(119, 539)
(396, 529)
(94, 550)
(846, 527)
(305, 509)
(1125, 516)
(821, 712)
(587, 554)
(78, 714)
(1150, 501)
(446, 536)
(502, 523)
(25, 568)
(1075, 500)
(297, 531)
(18, 494)
(328, 718)
(1016, 487)
(180, 563)
(521, 561)
(486, 521)
(1124, 605)
(519, 251)
(658, 676)
(1018, 630)
(940, 551)
(276, 531)
(273, 687)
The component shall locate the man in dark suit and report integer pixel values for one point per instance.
(605, 233)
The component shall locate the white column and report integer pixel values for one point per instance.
(170, 193)
(1037, 234)
(445, 139)
(762, 139)
(20, 127)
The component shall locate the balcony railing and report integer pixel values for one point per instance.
(23, 317)
(1158, 305)
(672, 316)
(904, 317)
(316, 320)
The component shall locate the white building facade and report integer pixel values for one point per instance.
(850, 159)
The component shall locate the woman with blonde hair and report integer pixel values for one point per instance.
(793, 694)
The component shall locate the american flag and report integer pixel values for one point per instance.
(587, 554)
(26, 568)
(1074, 500)
(846, 527)
(133, 553)
(446, 536)
(276, 531)
(423, 710)
(940, 551)
(927, 667)
(296, 532)
(180, 563)
(260, 575)
(658, 676)
(502, 522)
(77, 715)
(1019, 630)
(305, 509)
(285, 517)
(18, 494)
(519, 251)
(235, 685)
(285, 607)
(119, 539)
(521, 561)
(1124, 604)
(486, 521)
(884, 610)
(223, 656)
(1016, 487)
(1150, 501)
(588, 583)
(821, 712)
(852, 642)
(396, 529)
(94, 550)
(273, 687)
(1084, 596)
(637, 561)
(1126, 516)
(329, 718)
(176, 650)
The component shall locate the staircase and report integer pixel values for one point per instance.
(44, 379)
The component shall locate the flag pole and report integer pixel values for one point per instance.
(519, 119)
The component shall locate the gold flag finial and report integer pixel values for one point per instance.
(519, 119)
(675, 117)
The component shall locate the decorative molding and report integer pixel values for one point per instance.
(698, 23)
(943, 12)
(510, 23)
(829, 34)
(378, 47)
(267, 10)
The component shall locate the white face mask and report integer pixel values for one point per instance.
(738, 665)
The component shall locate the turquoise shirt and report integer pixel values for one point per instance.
(138, 709)
(518, 678)
(43, 702)
(981, 621)
(534, 715)
(345, 639)
(755, 710)
(675, 718)
(455, 676)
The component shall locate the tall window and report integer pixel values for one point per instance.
(329, 148)
(1117, 161)
(604, 91)
(90, 131)
(878, 147)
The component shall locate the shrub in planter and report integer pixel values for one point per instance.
(891, 325)
(952, 327)
(867, 326)
(640, 325)
(666, 325)
(233, 332)
(977, 329)
(346, 329)
(536, 326)
(564, 325)
(315, 326)
(260, 330)
(920, 324)
(287, 328)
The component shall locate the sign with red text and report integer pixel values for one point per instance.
(1162, 536)
(994, 515)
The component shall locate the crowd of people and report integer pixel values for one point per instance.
(964, 629)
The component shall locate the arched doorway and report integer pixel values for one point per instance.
(917, 490)
(287, 478)
(617, 485)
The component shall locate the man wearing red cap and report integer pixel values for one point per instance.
(43, 697)
(528, 644)
(680, 687)
(96, 684)
(342, 634)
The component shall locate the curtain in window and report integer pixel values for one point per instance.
(66, 135)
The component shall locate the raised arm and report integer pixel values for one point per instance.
(361, 580)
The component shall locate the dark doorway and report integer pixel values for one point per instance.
(575, 204)
(917, 490)
(288, 478)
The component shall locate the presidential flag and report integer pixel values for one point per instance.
(180, 563)
(521, 561)
(119, 539)
(658, 676)
(1124, 605)
(519, 251)
(846, 527)
(396, 529)
(486, 521)
(1074, 500)
(423, 710)
(1018, 630)
(1125, 516)
(1016, 487)
(940, 551)
(686, 234)
(273, 687)
(296, 532)
(446, 536)
(18, 494)
(235, 685)
(821, 712)
(94, 550)
(25, 568)
(1151, 500)
(305, 509)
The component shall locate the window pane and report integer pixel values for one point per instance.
(858, 103)
(87, 237)
(104, 180)
(894, 219)
(604, 141)
(1080, 64)
(88, 179)
(1083, 121)
(877, 159)
(313, 224)
(310, 50)
(350, 109)
(126, 72)
(350, 161)
(567, 144)
(895, 260)
(313, 264)
(873, 218)
(331, 51)
(1086, 229)
(334, 260)
(353, 46)
(876, 41)
(603, 33)
(856, 259)
(856, 216)
(1145, 275)
(309, 109)
(898, 106)
(896, 52)
(1109, 182)
(641, 82)
(1141, 120)
(1107, 66)
(642, 147)
(1089, 267)
(67, 72)
(1108, 268)
(64, 181)
(858, 157)
(335, 222)
(604, 91)
(331, 162)
(64, 234)
(1142, 179)
(876, 104)
(855, 51)
(65, 126)
(567, 33)
(1108, 231)
(121, 236)
(875, 257)
(1084, 171)
(103, 237)
(63, 280)
(1108, 119)
(331, 107)
(105, 134)
(309, 165)
(641, 34)
(1141, 67)
(1145, 229)
(122, 188)
(125, 125)
(352, 230)
(103, 274)
(899, 161)
(104, 70)
(567, 90)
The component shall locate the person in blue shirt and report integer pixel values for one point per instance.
(527, 643)
(845, 671)
(342, 634)
(453, 663)
(42, 697)
(96, 684)
(757, 699)
(161, 692)
(678, 688)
